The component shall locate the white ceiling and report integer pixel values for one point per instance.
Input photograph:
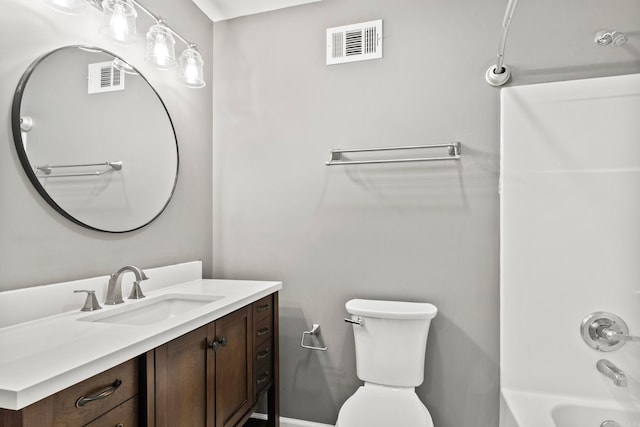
(219, 10)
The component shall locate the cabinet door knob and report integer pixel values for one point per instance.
(214, 345)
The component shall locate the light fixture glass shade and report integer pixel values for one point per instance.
(119, 20)
(70, 7)
(161, 51)
(191, 69)
(123, 66)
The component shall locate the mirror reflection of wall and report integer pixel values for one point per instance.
(72, 126)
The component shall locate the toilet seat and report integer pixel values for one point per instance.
(379, 406)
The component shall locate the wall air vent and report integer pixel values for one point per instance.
(356, 42)
(103, 77)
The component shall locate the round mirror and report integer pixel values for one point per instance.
(95, 139)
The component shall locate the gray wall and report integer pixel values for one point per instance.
(39, 246)
(424, 232)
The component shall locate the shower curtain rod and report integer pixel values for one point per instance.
(499, 74)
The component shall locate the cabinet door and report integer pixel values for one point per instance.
(184, 370)
(234, 367)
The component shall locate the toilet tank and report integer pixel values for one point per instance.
(391, 341)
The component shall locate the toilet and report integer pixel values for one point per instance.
(391, 340)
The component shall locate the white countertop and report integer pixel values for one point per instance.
(42, 357)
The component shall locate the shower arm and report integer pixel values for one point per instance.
(499, 74)
(506, 24)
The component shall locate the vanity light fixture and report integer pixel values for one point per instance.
(119, 20)
(121, 65)
(70, 7)
(161, 51)
(119, 24)
(190, 71)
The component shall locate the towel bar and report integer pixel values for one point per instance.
(336, 155)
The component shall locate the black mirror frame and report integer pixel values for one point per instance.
(24, 159)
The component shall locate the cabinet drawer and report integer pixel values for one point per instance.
(95, 396)
(263, 308)
(264, 374)
(262, 331)
(263, 355)
(123, 415)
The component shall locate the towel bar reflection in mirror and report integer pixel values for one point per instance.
(44, 171)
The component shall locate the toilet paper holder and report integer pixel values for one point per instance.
(315, 331)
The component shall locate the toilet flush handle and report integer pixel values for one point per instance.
(356, 321)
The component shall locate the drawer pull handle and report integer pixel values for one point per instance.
(101, 395)
(119, 425)
(263, 378)
(263, 331)
(263, 354)
(262, 308)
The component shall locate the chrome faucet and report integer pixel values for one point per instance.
(610, 370)
(114, 291)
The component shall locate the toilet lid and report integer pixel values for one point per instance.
(373, 406)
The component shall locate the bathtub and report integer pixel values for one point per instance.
(526, 409)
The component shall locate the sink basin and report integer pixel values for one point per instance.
(152, 310)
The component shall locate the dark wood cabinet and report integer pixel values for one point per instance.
(214, 375)
(204, 378)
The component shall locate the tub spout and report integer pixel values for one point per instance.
(610, 370)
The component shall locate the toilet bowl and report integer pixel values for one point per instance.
(390, 339)
(381, 406)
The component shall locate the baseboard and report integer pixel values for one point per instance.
(290, 422)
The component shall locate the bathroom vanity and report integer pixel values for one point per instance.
(208, 366)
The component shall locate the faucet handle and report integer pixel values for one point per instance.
(91, 303)
(136, 290)
(615, 335)
(604, 331)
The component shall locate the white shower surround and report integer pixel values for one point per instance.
(570, 245)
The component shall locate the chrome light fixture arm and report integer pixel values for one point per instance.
(159, 20)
